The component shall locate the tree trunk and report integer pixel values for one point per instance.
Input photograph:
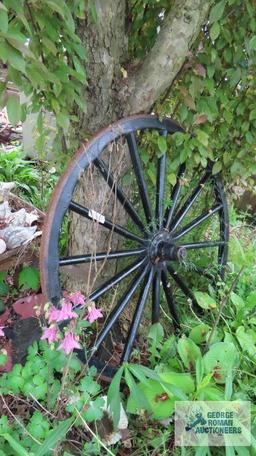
(106, 43)
(108, 96)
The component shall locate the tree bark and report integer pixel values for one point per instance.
(159, 69)
(108, 96)
(106, 43)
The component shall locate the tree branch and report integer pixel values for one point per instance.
(180, 29)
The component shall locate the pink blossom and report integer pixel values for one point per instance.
(50, 334)
(200, 70)
(93, 313)
(69, 343)
(9, 280)
(2, 334)
(64, 313)
(77, 298)
(54, 314)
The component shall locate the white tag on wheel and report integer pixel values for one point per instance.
(96, 216)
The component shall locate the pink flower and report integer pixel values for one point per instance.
(2, 334)
(54, 314)
(64, 313)
(9, 280)
(77, 298)
(69, 343)
(50, 334)
(93, 313)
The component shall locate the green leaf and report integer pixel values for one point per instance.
(56, 6)
(2, 304)
(63, 120)
(94, 411)
(162, 393)
(49, 44)
(203, 137)
(16, 446)
(215, 31)
(252, 115)
(217, 11)
(228, 386)
(54, 437)
(252, 43)
(217, 167)
(13, 109)
(199, 370)
(16, 59)
(205, 300)
(29, 278)
(251, 300)
(237, 300)
(172, 178)
(247, 340)
(242, 451)
(4, 289)
(3, 20)
(16, 5)
(188, 351)
(93, 10)
(156, 333)
(3, 358)
(79, 68)
(221, 359)
(114, 400)
(199, 333)
(162, 144)
(235, 77)
(89, 385)
(135, 391)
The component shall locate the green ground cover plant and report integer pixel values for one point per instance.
(55, 402)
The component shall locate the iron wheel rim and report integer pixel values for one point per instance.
(168, 221)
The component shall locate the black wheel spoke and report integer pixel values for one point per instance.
(116, 312)
(81, 259)
(137, 317)
(187, 292)
(203, 272)
(170, 300)
(174, 197)
(160, 189)
(202, 245)
(189, 202)
(92, 215)
(137, 166)
(118, 191)
(156, 297)
(116, 279)
(197, 221)
(224, 225)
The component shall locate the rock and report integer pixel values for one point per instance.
(6, 187)
(2, 246)
(18, 218)
(15, 236)
(5, 210)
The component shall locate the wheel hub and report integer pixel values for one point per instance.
(162, 248)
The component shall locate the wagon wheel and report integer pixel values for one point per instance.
(161, 234)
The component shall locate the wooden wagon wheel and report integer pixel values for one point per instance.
(175, 232)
